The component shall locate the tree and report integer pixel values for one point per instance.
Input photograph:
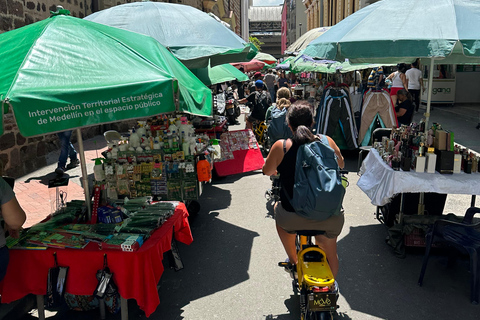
(257, 43)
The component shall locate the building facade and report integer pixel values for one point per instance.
(284, 27)
(325, 13)
(294, 23)
(265, 24)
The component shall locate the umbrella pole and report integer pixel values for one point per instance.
(84, 173)
(429, 93)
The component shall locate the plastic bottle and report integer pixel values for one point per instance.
(182, 136)
(141, 130)
(156, 144)
(98, 171)
(186, 147)
(173, 128)
(218, 151)
(134, 140)
(114, 151)
(203, 169)
(170, 139)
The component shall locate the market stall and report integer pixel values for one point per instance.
(239, 153)
(408, 177)
(81, 92)
(443, 85)
(136, 274)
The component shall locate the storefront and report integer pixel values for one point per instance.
(444, 85)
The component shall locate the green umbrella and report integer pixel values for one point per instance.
(219, 74)
(265, 57)
(392, 31)
(191, 35)
(65, 73)
(443, 29)
(307, 64)
(302, 42)
(285, 64)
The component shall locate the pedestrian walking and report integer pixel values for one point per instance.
(269, 80)
(415, 83)
(67, 151)
(399, 81)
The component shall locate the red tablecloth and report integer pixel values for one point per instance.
(135, 273)
(243, 161)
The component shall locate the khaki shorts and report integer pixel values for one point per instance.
(292, 222)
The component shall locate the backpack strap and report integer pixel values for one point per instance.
(323, 139)
(284, 146)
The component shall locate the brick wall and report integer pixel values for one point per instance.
(235, 6)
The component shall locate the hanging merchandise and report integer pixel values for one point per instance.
(377, 110)
(335, 117)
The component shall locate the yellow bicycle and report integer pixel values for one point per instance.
(260, 132)
(313, 279)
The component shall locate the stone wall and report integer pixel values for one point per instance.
(20, 155)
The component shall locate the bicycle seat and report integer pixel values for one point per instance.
(310, 233)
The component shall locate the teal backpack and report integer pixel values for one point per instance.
(277, 126)
(317, 191)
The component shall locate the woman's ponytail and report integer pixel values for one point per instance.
(283, 103)
(300, 119)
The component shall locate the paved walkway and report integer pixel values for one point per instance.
(32, 190)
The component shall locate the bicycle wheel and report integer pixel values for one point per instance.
(323, 315)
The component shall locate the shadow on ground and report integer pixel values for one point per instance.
(209, 267)
(45, 179)
(373, 281)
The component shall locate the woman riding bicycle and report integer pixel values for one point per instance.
(282, 158)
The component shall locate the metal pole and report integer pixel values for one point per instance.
(83, 165)
(429, 93)
(244, 20)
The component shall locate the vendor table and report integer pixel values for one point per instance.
(135, 273)
(380, 182)
(244, 159)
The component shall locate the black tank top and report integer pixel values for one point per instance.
(286, 169)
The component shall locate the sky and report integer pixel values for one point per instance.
(267, 2)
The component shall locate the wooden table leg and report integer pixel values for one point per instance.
(40, 307)
(124, 308)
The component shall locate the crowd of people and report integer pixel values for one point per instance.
(404, 86)
(273, 95)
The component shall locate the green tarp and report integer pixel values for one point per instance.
(219, 74)
(64, 72)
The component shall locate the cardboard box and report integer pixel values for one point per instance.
(457, 163)
(431, 162)
(445, 161)
(441, 137)
(420, 164)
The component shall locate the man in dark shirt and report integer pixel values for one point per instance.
(259, 101)
(405, 107)
(283, 81)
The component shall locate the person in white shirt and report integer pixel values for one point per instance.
(415, 83)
